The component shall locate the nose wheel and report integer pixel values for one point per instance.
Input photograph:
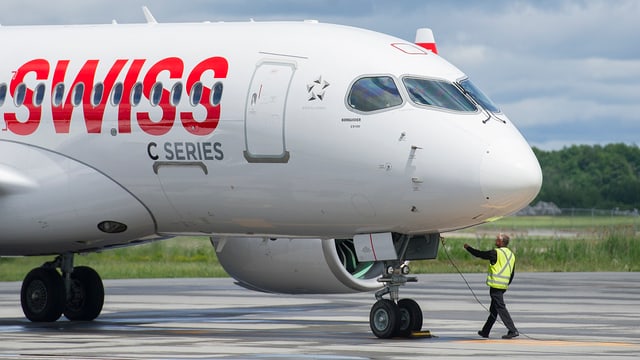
(395, 317)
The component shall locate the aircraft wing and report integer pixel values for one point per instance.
(13, 181)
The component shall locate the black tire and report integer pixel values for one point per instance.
(410, 317)
(42, 295)
(384, 318)
(87, 295)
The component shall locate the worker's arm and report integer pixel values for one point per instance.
(513, 272)
(490, 255)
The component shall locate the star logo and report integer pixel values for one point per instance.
(315, 90)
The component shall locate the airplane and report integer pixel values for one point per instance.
(318, 158)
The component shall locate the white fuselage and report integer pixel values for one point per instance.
(272, 148)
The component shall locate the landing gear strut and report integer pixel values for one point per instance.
(46, 294)
(395, 317)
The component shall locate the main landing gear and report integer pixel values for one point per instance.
(395, 317)
(78, 293)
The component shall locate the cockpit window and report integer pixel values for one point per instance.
(479, 96)
(437, 93)
(374, 93)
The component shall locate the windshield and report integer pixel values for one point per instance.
(437, 93)
(479, 96)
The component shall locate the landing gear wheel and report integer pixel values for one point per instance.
(384, 318)
(410, 317)
(42, 295)
(86, 295)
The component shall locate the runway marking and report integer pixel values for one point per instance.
(552, 342)
(187, 332)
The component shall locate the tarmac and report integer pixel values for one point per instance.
(559, 315)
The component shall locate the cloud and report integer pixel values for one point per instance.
(573, 29)
(23, 12)
(538, 111)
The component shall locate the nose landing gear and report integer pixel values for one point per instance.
(395, 317)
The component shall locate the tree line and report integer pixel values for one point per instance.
(591, 176)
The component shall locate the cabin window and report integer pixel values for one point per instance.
(58, 94)
(196, 94)
(78, 94)
(216, 94)
(21, 91)
(116, 94)
(176, 93)
(3, 93)
(136, 94)
(38, 94)
(156, 94)
(479, 96)
(374, 93)
(96, 97)
(437, 93)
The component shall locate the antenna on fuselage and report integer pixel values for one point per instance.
(149, 16)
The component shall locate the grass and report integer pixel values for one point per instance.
(614, 250)
(595, 244)
(173, 258)
(583, 224)
(548, 244)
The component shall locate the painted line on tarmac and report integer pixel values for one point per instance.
(552, 342)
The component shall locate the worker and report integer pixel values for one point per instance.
(502, 263)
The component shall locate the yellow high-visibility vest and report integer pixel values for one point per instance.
(499, 273)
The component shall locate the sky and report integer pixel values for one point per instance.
(565, 71)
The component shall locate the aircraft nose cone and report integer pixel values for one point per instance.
(510, 176)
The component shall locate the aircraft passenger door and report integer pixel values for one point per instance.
(265, 113)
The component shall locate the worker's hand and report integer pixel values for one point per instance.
(466, 246)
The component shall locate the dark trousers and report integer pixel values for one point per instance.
(498, 308)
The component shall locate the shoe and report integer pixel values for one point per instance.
(510, 335)
(486, 336)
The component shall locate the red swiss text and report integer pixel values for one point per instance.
(124, 77)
